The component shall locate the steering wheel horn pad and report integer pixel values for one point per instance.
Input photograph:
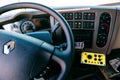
(31, 55)
(26, 57)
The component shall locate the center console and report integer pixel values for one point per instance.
(92, 27)
(82, 24)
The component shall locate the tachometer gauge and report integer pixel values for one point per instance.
(27, 26)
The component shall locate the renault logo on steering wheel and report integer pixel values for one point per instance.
(8, 47)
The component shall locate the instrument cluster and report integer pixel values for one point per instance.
(28, 25)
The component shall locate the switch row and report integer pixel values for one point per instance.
(79, 15)
(80, 24)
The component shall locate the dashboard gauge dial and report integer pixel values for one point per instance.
(27, 26)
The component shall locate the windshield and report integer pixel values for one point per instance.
(61, 3)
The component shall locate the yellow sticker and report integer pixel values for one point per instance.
(93, 58)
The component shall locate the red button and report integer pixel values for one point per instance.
(93, 14)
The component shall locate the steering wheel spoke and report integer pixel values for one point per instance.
(55, 27)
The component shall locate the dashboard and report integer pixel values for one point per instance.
(93, 27)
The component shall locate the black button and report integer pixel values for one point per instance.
(99, 56)
(85, 60)
(95, 55)
(89, 57)
(70, 16)
(75, 24)
(91, 25)
(95, 59)
(99, 59)
(67, 16)
(101, 62)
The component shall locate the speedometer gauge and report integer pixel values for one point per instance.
(27, 26)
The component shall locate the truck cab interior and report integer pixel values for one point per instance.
(38, 42)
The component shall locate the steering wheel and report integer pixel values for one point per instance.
(23, 57)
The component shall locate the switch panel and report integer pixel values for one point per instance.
(80, 20)
(103, 29)
(93, 58)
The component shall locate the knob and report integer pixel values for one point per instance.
(89, 56)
